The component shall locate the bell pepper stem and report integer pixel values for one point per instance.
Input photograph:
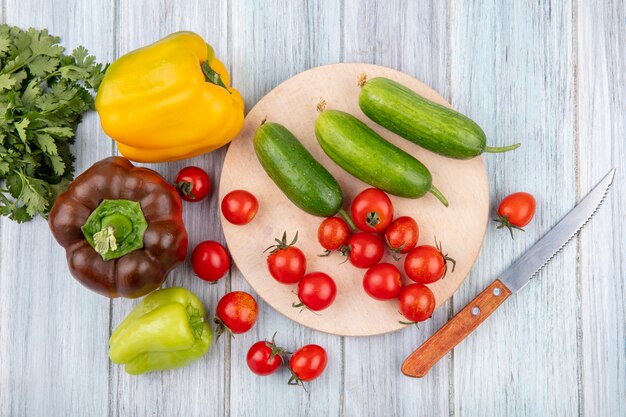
(105, 240)
(115, 228)
(196, 321)
(213, 77)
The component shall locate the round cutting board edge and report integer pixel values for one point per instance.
(280, 105)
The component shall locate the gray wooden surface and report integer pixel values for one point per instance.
(548, 74)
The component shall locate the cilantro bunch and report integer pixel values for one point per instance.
(43, 94)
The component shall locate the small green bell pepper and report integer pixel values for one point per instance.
(166, 330)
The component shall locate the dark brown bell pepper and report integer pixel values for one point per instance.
(121, 227)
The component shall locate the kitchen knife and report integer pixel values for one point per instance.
(513, 280)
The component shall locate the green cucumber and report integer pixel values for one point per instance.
(294, 170)
(363, 153)
(425, 123)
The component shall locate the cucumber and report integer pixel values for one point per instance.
(425, 123)
(294, 170)
(363, 153)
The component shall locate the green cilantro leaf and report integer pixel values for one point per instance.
(35, 196)
(43, 95)
(46, 143)
(5, 43)
(6, 82)
(42, 65)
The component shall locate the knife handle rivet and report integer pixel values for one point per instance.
(497, 291)
(475, 311)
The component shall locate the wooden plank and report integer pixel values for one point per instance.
(512, 72)
(411, 37)
(53, 331)
(272, 41)
(601, 124)
(192, 390)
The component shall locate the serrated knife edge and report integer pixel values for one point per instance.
(418, 363)
(535, 258)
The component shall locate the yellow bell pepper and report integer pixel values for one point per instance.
(169, 100)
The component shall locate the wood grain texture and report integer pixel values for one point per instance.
(190, 391)
(601, 145)
(52, 330)
(512, 72)
(294, 104)
(455, 330)
(549, 74)
(270, 43)
(411, 37)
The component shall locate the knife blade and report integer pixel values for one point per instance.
(512, 280)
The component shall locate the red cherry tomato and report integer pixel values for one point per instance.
(193, 184)
(210, 261)
(372, 210)
(402, 234)
(366, 250)
(239, 207)
(264, 357)
(333, 233)
(307, 363)
(316, 291)
(426, 264)
(516, 211)
(286, 263)
(236, 311)
(382, 281)
(416, 302)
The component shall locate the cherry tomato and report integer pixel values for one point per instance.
(365, 250)
(307, 363)
(382, 281)
(210, 261)
(372, 210)
(237, 311)
(193, 184)
(264, 357)
(286, 263)
(333, 233)
(416, 302)
(316, 291)
(239, 207)
(426, 264)
(402, 235)
(516, 211)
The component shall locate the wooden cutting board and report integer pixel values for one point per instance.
(460, 227)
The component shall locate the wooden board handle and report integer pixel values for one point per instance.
(455, 330)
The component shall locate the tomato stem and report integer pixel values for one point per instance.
(504, 222)
(282, 243)
(372, 219)
(276, 350)
(220, 328)
(445, 257)
(498, 149)
(185, 189)
(344, 215)
(295, 380)
(409, 323)
(434, 191)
